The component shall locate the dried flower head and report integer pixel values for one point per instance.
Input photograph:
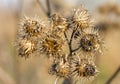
(89, 42)
(60, 68)
(81, 19)
(25, 48)
(58, 23)
(83, 68)
(50, 45)
(31, 27)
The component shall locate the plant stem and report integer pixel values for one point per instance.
(66, 37)
(70, 43)
(69, 81)
(71, 38)
(49, 9)
(113, 76)
(48, 12)
(56, 80)
(76, 48)
(67, 42)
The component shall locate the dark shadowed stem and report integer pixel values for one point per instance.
(76, 48)
(113, 76)
(48, 12)
(48, 6)
(71, 38)
(66, 37)
(69, 81)
(67, 42)
(70, 44)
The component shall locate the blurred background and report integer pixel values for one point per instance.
(17, 70)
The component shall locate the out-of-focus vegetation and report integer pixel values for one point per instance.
(17, 70)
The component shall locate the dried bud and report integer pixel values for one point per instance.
(25, 48)
(83, 68)
(60, 68)
(31, 27)
(58, 23)
(89, 42)
(81, 19)
(50, 45)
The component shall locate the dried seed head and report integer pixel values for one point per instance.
(90, 70)
(82, 19)
(25, 48)
(31, 27)
(83, 68)
(89, 42)
(58, 23)
(52, 70)
(50, 45)
(60, 68)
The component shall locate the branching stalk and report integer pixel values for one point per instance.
(70, 43)
(76, 48)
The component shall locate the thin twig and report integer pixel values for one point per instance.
(70, 43)
(66, 37)
(69, 81)
(56, 80)
(5, 77)
(67, 42)
(113, 76)
(76, 48)
(71, 38)
(49, 9)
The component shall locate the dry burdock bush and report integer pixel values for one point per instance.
(108, 16)
(75, 33)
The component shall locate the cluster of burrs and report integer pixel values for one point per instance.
(71, 43)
